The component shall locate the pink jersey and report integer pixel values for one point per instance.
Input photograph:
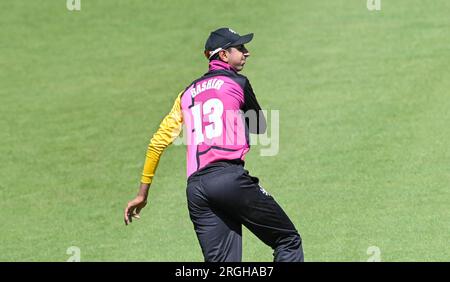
(212, 109)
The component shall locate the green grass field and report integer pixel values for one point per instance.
(364, 125)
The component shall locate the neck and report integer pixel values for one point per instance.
(220, 65)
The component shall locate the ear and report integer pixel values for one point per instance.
(223, 55)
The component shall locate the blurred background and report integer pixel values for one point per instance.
(363, 96)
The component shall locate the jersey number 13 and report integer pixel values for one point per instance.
(213, 108)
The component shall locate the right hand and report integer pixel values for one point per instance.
(133, 209)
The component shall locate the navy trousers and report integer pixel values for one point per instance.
(223, 196)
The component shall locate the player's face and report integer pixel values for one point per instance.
(237, 56)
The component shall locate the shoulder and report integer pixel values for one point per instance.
(240, 79)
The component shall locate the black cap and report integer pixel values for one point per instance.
(223, 38)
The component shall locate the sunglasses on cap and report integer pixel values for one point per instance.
(241, 48)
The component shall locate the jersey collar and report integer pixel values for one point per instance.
(219, 65)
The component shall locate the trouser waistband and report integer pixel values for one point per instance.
(218, 164)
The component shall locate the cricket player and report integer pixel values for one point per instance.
(221, 194)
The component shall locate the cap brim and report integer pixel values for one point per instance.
(243, 40)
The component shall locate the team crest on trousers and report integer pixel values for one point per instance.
(264, 191)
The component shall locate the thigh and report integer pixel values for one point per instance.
(261, 213)
(219, 235)
(245, 200)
